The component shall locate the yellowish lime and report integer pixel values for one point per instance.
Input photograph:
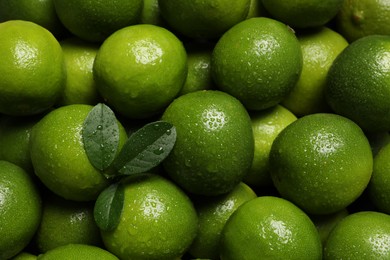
(320, 48)
(32, 68)
(266, 125)
(80, 87)
(140, 69)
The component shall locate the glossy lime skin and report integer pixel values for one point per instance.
(321, 162)
(59, 158)
(270, 228)
(96, 20)
(32, 68)
(213, 214)
(20, 209)
(140, 69)
(358, 83)
(361, 235)
(158, 220)
(258, 61)
(303, 13)
(66, 222)
(203, 19)
(214, 146)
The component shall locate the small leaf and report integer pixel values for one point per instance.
(146, 148)
(101, 136)
(108, 207)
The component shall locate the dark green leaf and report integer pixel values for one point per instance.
(146, 148)
(101, 136)
(108, 207)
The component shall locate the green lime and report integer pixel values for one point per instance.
(361, 235)
(266, 125)
(96, 20)
(151, 13)
(358, 83)
(15, 139)
(380, 181)
(66, 222)
(258, 61)
(199, 68)
(359, 18)
(41, 12)
(32, 68)
(24, 256)
(80, 87)
(270, 228)
(326, 223)
(140, 69)
(320, 48)
(158, 220)
(213, 214)
(20, 209)
(77, 251)
(321, 162)
(59, 158)
(256, 9)
(203, 19)
(303, 13)
(214, 145)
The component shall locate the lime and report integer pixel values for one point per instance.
(41, 12)
(151, 13)
(213, 214)
(256, 9)
(32, 68)
(359, 18)
(320, 48)
(358, 83)
(199, 68)
(380, 181)
(24, 256)
(80, 87)
(257, 61)
(96, 20)
(214, 145)
(326, 223)
(303, 13)
(361, 235)
(20, 209)
(203, 19)
(66, 222)
(77, 251)
(59, 158)
(158, 220)
(270, 228)
(266, 125)
(321, 162)
(140, 69)
(15, 138)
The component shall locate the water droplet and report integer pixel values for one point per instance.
(99, 127)
(169, 131)
(158, 151)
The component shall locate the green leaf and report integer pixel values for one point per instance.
(146, 148)
(108, 207)
(100, 136)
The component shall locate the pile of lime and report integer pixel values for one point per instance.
(183, 130)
